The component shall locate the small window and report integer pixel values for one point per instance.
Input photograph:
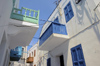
(77, 56)
(34, 53)
(68, 12)
(56, 20)
(49, 62)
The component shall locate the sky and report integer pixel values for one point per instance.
(46, 7)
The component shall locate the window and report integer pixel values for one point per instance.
(56, 20)
(34, 53)
(61, 60)
(49, 62)
(68, 12)
(77, 56)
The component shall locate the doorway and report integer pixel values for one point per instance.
(61, 60)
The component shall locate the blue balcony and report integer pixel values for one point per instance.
(53, 36)
(16, 54)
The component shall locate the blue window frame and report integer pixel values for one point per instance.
(56, 20)
(77, 56)
(49, 62)
(68, 12)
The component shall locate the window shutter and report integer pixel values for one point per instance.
(77, 56)
(49, 62)
(67, 17)
(68, 12)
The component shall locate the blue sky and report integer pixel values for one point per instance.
(46, 7)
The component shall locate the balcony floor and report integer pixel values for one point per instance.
(20, 33)
(53, 41)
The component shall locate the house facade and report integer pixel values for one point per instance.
(39, 57)
(71, 36)
(17, 29)
(32, 56)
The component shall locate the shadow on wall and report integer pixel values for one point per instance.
(82, 8)
(58, 51)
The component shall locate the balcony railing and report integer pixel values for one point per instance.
(53, 28)
(30, 59)
(25, 14)
(15, 54)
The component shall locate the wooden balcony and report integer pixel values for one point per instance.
(30, 59)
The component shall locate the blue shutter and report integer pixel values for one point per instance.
(77, 56)
(68, 12)
(69, 6)
(49, 62)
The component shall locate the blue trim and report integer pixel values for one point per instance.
(68, 12)
(53, 28)
(78, 56)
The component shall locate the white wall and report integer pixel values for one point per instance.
(90, 42)
(83, 28)
(4, 51)
(30, 51)
(42, 57)
(5, 11)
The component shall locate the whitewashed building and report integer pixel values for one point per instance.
(39, 57)
(32, 56)
(73, 38)
(16, 28)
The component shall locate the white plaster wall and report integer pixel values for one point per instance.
(36, 56)
(4, 51)
(17, 4)
(84, 16)
(5, 10)
(1, 6)
(42, 57)
(83, 28)
(90, 41)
